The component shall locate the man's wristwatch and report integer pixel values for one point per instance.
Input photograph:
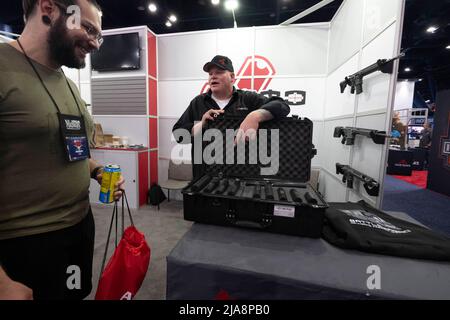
(94, 172)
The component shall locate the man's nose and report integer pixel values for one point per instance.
(94, 44)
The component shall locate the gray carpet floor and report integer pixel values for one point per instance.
(162, 229)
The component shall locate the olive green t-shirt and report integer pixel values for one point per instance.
(40, 191)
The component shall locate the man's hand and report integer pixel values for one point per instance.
(210, 115)
(12, 290)
(207, 116)
(118, 186)
(249, 127)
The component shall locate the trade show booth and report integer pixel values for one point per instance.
(303, 63)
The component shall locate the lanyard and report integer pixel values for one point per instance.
(45, 87)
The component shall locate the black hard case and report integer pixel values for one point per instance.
(242, 209)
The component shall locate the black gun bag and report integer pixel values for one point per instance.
(359, 226)
(236, 191)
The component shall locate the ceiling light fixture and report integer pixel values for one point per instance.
(420, 80)
(152, 7)
(428, 101)
(215, 2)
(432, 29)
(447, 47)
(232, 5)
(168, 24)
(173, 18)
(407, 69)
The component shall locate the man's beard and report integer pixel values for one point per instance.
(62, 47)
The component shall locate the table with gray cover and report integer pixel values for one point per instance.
(212, 262)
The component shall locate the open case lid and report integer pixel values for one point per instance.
(295, 150)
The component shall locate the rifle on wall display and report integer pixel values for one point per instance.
(372, 187)
(348, 135)
(355, 80)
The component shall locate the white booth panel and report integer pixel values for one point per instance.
(237, 44)
(345, 33)
(376, 85)
(167, 142)
(85, 90)
(294, 50)
(359, 193)
(333, 151)
(183, 55)
(367, 155)
(332, 189)
(85, 73)
(313, 100)
(72, 74)
(317, 141)
(378, 15)
(174, 96)
(135, 128)
(337, 103)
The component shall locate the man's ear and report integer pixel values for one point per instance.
(233, 77)
(48, 8)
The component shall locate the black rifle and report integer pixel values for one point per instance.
(348, 135)
(372, 187)
(355, 81)
(200, 184)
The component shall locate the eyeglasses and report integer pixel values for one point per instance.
(90, 30)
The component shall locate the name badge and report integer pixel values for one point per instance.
(74, 137)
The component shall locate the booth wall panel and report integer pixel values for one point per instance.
(318, 127)
(85, 91)
(378, 14)
(152, 54)
(376, 85)
(331, 188)
(337, 103)
(135, 128)
(183, 55)
(153, 133)
(119, 96)
(153, 97)
(294, 49)
(367, 156)
(361, 195)
(167, 141)
(235, 44)
(345, 33)
(333, 150)
(175, 96)
(314, 99)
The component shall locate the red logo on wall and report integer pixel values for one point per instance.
(260, 67)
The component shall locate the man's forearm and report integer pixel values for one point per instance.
(92, 165)
(263, 115)
(197, 128)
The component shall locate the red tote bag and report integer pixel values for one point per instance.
(126, 270)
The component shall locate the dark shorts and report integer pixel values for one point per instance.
(43, 262)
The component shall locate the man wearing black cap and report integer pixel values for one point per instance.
(223, 97)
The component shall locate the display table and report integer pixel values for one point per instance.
(212, 262)
(400, 162)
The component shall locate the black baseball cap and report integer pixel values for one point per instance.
(221, 62)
